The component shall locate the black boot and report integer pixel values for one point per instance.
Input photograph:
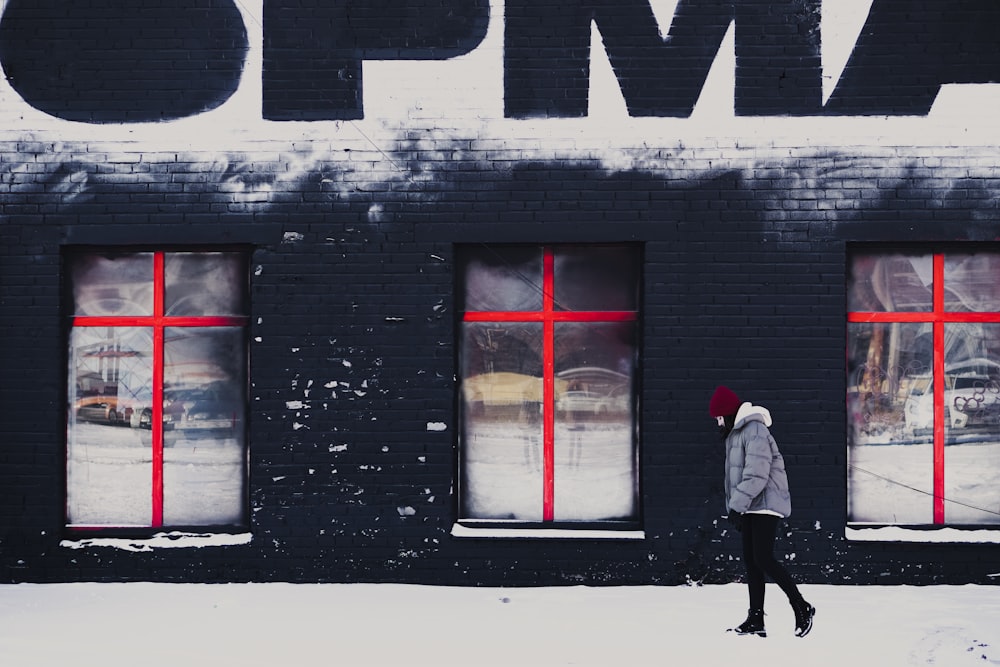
(754, 625)
(804, 613)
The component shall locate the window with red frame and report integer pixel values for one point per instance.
(548, 356)
(156, 389)
(924, 388)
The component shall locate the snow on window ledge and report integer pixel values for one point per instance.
(458, 530)
(173, 540)
(944, 535)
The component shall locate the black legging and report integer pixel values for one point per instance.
(758, 554)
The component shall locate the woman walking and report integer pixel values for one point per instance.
(757, 498)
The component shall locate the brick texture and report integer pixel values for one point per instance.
(352, 229)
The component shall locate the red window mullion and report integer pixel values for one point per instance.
(923, 316)
(549, 388)
(939, 363)
(550, 315)
(157, 419)
(119, 321)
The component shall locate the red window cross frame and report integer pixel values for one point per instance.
(938, 316)
(158, 321)
(548, 316)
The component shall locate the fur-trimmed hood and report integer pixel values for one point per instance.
(750, 412)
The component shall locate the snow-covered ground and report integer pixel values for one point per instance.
(246, 625)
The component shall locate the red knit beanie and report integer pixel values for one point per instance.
(724, 402)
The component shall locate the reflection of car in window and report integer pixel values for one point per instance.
(970, 399)
(98, 409)
(137, 410)
(598, 403)
(618, 400)
(209, 407)
(577, 400)
(142, 418)
(594, 391)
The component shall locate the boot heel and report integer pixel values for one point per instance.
(754, 625)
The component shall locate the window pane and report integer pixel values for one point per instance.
(890, 427)
(595, 452)
(972, 283)
(106, 285)
(204, 426)
(972, 423)
(596, 278)
(109, 457)
(498, 278)
(501, 438)
(204, 284)
(890, 283)
(494, 347)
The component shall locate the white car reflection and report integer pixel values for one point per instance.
(208, 407)
(970, 400)
(136, 410)
(616, 400)
(594, 391)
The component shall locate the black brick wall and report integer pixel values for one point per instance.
(353, 314)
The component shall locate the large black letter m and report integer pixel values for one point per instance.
(547, 55)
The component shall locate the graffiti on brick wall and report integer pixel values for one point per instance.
(122, 62)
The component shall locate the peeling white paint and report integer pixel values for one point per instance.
(459, 530)
(376, 213)
(938, 535)
(171, 540)
(436, 426)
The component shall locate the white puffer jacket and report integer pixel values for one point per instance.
(755, 470)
